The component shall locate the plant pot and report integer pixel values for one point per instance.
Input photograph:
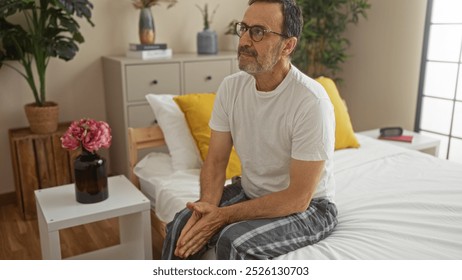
(207, 42)
(42, 120)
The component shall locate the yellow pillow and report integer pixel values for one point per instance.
(197, 108)
(344, 134)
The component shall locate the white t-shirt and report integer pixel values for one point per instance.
(296, 120)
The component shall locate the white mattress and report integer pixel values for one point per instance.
(393, 203)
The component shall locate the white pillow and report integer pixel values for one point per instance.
(180, 142)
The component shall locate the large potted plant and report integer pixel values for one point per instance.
(323, 45)
(32, 32)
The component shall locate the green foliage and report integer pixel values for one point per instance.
(322, 47)
(207, 19)
(33, 31)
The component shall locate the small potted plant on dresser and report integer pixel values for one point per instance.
(207, 41)
(32, 32)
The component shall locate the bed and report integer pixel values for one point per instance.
(393, 203)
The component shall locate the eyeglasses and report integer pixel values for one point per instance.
(256, 32)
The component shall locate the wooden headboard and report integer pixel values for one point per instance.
(142, 138)
(139, 139)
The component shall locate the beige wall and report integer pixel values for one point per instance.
(381, 79)
(78, 85)
(383, 71)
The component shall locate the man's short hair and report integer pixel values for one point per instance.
(293, 20)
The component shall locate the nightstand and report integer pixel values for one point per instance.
(57, 209)
(422, 143)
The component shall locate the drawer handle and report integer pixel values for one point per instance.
(154, 82)
(208, 78)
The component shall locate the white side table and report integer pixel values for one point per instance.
(419, 142)
(57, 209)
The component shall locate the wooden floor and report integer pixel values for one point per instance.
(19, 239)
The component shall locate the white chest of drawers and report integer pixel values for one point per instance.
(128, 80)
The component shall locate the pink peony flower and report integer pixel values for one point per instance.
(89, 134)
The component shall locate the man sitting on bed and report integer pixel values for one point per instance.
(282, 125)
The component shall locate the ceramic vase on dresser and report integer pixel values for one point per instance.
(207, 42)
(147, 29)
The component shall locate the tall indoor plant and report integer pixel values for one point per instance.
(323, 45)
(32, 32)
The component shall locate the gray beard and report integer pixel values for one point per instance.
(256, 67)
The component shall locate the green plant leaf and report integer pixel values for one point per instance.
(48, 29)
(322, 48)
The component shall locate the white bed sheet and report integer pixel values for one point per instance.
(167, 189)
(393, 203)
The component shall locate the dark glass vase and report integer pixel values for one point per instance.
(90, 178)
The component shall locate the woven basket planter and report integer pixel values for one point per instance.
(42, 120)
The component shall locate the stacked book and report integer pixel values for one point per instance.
(402, 138)
(149, 51)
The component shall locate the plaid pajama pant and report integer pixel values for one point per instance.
(261, 238)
